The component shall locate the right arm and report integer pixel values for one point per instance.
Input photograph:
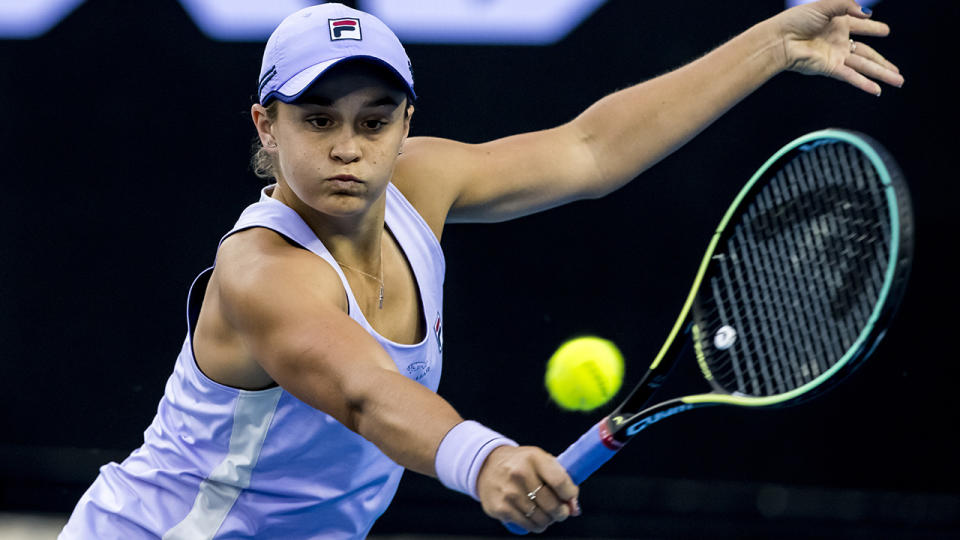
(284, 303)
(286, 306)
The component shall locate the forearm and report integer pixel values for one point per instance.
(404, 419)
(631, 130)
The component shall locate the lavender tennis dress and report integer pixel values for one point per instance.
(219, 462)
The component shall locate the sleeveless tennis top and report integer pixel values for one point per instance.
(220, 462)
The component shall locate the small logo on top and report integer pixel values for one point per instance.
(345, 29)
(438, 331)
(418, 370)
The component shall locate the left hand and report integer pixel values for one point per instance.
(817, 41)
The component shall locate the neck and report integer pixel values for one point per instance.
(353, 239)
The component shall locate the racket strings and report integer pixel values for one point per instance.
(799, 276)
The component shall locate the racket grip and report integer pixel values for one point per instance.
(582, 458)
(515, 529)
(592, 449)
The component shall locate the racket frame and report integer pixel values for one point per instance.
(631, 416)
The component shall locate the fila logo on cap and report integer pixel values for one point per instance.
(346, 28)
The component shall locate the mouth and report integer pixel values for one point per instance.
(345, 178)
(345, 182)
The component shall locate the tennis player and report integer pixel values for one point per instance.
(306, 383)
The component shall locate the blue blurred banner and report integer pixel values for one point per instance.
(240, 20)
(21, 19)
(489, 22)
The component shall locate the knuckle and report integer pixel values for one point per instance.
(500, 510)
(560, 513)
(512, 498)
(551, 472)
(567, 490)
(515, 474)
(533, 452)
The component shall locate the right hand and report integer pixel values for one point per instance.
(511, 473)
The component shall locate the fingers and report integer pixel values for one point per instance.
(835, 8)
(859, 27)
(556, 477)
(874, 70)
(869, 53)
(529, 516)
(554, 498)
(865, 63)
(850, 75)
(547, 502)
(532, 514)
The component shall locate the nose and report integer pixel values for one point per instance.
(346, 148)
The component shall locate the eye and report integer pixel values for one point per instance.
(373, 125)
(319, 121)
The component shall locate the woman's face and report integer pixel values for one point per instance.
(336, 147)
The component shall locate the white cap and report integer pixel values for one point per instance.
(312, 40)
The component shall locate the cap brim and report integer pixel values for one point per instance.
(291, 90)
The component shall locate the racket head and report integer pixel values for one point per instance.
(809, 265)
(799, 281)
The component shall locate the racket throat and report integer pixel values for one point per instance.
(650, 384)
(625, 427)
(607, 435)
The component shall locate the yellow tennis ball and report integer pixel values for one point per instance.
(584, 373)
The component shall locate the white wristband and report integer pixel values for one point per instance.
(462, 452)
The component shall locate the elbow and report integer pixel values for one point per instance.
(601, 183)
(598, 179)
(598, 190)
(357, 401)
(362, 392)
(354, 406)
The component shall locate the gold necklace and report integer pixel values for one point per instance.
(371, 276)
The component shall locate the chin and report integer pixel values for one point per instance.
(341, 205)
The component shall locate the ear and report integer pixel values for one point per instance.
(264, 125)
(406, 125)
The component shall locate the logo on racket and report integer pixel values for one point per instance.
(724, 337)
(639, 426)
(345, 29)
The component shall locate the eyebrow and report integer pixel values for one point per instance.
(324, 101)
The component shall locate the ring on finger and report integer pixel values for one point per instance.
(533, 494)
(531, 512)
(853, 45)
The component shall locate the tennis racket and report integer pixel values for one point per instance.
(797, 287)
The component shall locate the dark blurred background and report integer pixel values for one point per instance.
(127, 135)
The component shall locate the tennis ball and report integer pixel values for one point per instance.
(584, 373)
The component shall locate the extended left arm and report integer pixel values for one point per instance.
(621, 135)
